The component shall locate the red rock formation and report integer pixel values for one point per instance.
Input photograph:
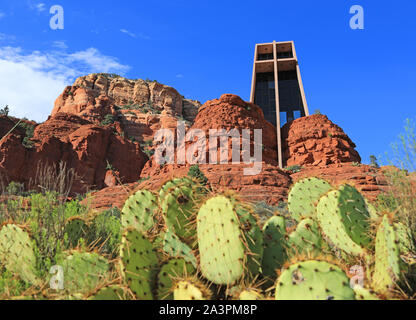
(84, 147)
(142, 107)
(315, 140)
(231, 112)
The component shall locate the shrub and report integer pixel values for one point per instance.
(196, 173)
(108, 120)
(5, 111)
(15, 189)
(294, 169)
(373, 162)
(105, 232)
(404, 150)
(29, 130)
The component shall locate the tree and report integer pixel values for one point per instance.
(5, 111)
(373, 161)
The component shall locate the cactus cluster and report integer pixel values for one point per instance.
(188, 242)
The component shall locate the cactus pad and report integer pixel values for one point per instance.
(175, 248)
(250, 294)
(139, 211)
(274, 241)
(83, 271)
(139, 264)
(364, 294)
(17, 253)
(387, 267)
(190, 290)
(304, 195)
(314, 280)
(112, 293)
(221, 246)
(173, 269)
(178, 204)
(76, 228)
(344, 219)
(306, 239)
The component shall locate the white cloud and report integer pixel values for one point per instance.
(6, 37)
(60, 45)
(30, 82)
(131, 34)
(2, 15)
(179, 76)
(38, 6)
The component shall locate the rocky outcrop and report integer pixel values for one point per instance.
(316, 141)
(230, 112)
(86, 148)
(142, 107)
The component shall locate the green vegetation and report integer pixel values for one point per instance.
(196, 173)
(374, 162)
(4, 111)
(294, 169)
(29, 130)
(108, 120)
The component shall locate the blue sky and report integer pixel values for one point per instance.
(362, 79)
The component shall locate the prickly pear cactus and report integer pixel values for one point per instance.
(139, 211)
(364, 294)
(190, 289)
(405, 240)
(83, 271)
(371, 209)
(314, 280)
(139, 264)
(344, 219)
(17, 253)
(274, 255)
(227, 236)
(178, 200)
(175, 248)
(250, 294)
(388, 265)
(176, 268)
(111, 293)
(76, 228)
(306, 239)
(254, 239)
(304, 195)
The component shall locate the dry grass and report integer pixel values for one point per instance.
(54, 178)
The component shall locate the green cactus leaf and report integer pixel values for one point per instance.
(304, 195)
(313, 280)
(139, 264)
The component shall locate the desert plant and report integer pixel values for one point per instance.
(4, 111)
(54, 178)
(108, 120)
(104, 232)
(374, 162)
(15, 189)
(404, 150)
(196, 173)
(294, 169)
